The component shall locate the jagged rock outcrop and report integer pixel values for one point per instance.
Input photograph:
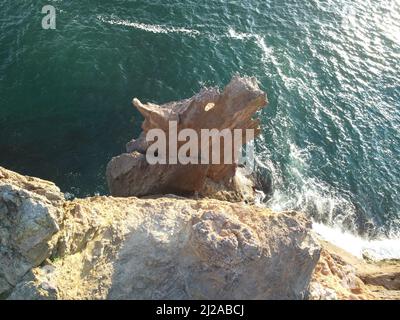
(155, 248)
(131, 175)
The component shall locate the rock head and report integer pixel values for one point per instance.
(130, 174)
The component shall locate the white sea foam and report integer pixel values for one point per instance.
(326, 207)
(239, 35)
(376, 249)
(154, 28)
(258, 39)
(267, 51)
(324, 203)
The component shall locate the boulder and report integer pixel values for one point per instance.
(213, 250)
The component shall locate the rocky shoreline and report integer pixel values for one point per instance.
(207, 240)
(340, 275)
(169, 248)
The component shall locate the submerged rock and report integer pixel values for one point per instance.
(131, 175)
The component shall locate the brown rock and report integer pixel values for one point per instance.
(340, 275)
(151, 248)
(131, 175)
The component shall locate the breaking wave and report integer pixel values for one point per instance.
(335, 217)
(379, 249)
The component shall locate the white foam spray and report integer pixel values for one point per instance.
(376, 249)
(154, 28)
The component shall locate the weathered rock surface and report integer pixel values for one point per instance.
(339, 275)
(30, 214)
(169, 248)
(131, 175)
(160, 248)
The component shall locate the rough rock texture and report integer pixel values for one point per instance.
(169, 248)
(131, 175)
(30, 213)
(339, 275)
(36, 285)
(160, 248)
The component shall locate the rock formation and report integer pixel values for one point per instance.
(339, 275)
(160, 248)
(131, 175)
(165, 246)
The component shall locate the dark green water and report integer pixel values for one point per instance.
(331, 134)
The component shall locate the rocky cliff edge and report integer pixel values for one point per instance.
(154, 248)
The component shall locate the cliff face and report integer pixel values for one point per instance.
(161, 248)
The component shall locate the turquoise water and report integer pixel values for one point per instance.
(331, 134)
